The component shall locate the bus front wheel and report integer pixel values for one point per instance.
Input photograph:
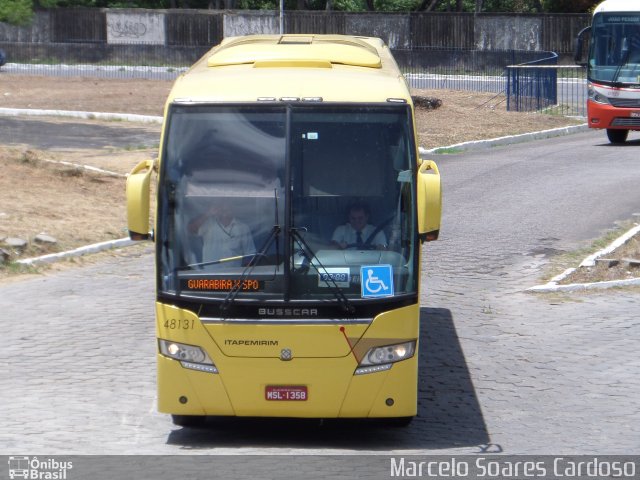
(188, 420)
(617, 136)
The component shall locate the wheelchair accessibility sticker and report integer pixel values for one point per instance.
(376, 281)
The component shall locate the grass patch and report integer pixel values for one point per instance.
(448, 150)
(563, 261)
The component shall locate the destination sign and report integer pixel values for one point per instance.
(222, 284)
(622, 19)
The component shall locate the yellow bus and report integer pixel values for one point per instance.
(291, 206)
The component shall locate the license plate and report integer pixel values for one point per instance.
(635, 114)
(286, 393)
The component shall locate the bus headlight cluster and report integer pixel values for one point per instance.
(190, 356)
(595, 96)
(381, 358)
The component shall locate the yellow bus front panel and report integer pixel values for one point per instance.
(320, 386)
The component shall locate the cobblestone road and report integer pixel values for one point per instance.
(502, 371)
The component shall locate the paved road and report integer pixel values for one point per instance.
(61, 133)
(502, 371)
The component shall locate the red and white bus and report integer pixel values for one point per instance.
(613, 68)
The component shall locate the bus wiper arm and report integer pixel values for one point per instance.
(221, 260)
(274, 235)
(228, 300)
(623, 62)
(310, 256)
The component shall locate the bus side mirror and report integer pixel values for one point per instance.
(138, 190)
(429, 201)
(581, 41)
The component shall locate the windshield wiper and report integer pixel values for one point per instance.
(274, 235)
(310, 256)
(228, 300)
(623, 62)
(253, 256)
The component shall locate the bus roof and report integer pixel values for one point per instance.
(335, 68)
(612, 6)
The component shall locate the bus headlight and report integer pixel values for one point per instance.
(597, 97)
(190, 356)
(381, 358)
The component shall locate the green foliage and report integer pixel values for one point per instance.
(516, 6)
(395, 5)
(119, 3)
(570, 6)
(16, 12)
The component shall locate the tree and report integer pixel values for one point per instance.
(16, 12)
(570, 6)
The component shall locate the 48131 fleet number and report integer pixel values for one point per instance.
(179, 324)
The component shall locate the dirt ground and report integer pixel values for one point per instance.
(77, 206)
(463, 115)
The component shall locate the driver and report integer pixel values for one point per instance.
(224, 238)
(357, 231)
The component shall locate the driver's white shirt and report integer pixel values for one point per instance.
(347, 234)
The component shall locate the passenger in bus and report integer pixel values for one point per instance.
(225, 239)
(357, 231)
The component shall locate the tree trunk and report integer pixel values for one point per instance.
(427, 5)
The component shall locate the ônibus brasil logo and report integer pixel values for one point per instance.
(34, 468)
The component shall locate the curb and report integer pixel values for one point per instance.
(86, 250)
(590, 261)
(128, 117)
(88, 168)
(508, 140)
(552, 285)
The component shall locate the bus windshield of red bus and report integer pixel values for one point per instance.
(615, 48)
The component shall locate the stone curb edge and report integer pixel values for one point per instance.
(77, 252)
(508, 140)
(552, 285)
(78, 114)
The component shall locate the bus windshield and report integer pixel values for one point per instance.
(287, 202)
(615, 48)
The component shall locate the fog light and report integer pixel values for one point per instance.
(373, 369)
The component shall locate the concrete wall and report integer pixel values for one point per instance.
(248, 23)
(138, 27)
(395, 30)
(150, 27)
(508, 33)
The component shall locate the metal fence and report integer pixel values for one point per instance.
(462, 69)
(555, 89)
